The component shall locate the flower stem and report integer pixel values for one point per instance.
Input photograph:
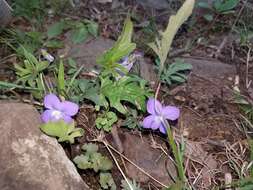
(176, 152)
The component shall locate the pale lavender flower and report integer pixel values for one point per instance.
(58, 110)
(128, 61)
(158, 114)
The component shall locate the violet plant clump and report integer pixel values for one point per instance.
(158, 114)
(58, 110)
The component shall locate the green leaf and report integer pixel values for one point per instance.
(100, 163)
(42, 65)
(92, 28)
(204, 5)
(82, 162)
(79, 35)
(162, 45)
(56, 29)
(133, 184)
(225, 5)
(91, 159)
(54, 44)
(106, 121)
(90, 148)
(208, 17)
(125, 89)
(72, 63)
(61, 80)
(175, 72)
(62, 130)
(121, 48)
(106, 181)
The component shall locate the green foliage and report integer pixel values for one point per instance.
(225, 6)
(106, 181)
(163, 43)
(56, 29)
(178, 153)
(131, 120)
(218, 7)
(61, 80)
(177, 186)
(251, 155)
(128, 89)
(80, 30)
(31, 69)
(91, 159)
(175, 72)
(64, 131)
(134, 185)
(31, 41)
(106, 121)
(30, 9)
(244, 105)
(120, 49)
(7, 85)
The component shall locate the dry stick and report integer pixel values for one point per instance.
(157, 90)
(247, 69)
(117, 164)
(139, 168)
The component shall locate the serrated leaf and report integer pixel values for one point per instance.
(106, 181)
(162, 45)
(56, 29)
(120, 49)
(80, 34)
(90, 148)
(106, 121)
(126, 89)
(82, 162)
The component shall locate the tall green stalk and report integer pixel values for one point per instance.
(176, 152)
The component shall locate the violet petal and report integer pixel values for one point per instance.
(68, 108)
(154, 106)
(162, 129)
(171, 112)
(67, 119)
(151, 122)
(51, 101)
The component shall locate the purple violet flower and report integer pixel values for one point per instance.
(158, 114)
(57, 110)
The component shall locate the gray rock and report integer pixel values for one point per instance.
(29, 159)
(87, 52)
(5, 13)
(157, 4)
(210, 68)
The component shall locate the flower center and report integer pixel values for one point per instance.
(159, 119)
(57, 114)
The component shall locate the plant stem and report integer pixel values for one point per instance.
(176, 152)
